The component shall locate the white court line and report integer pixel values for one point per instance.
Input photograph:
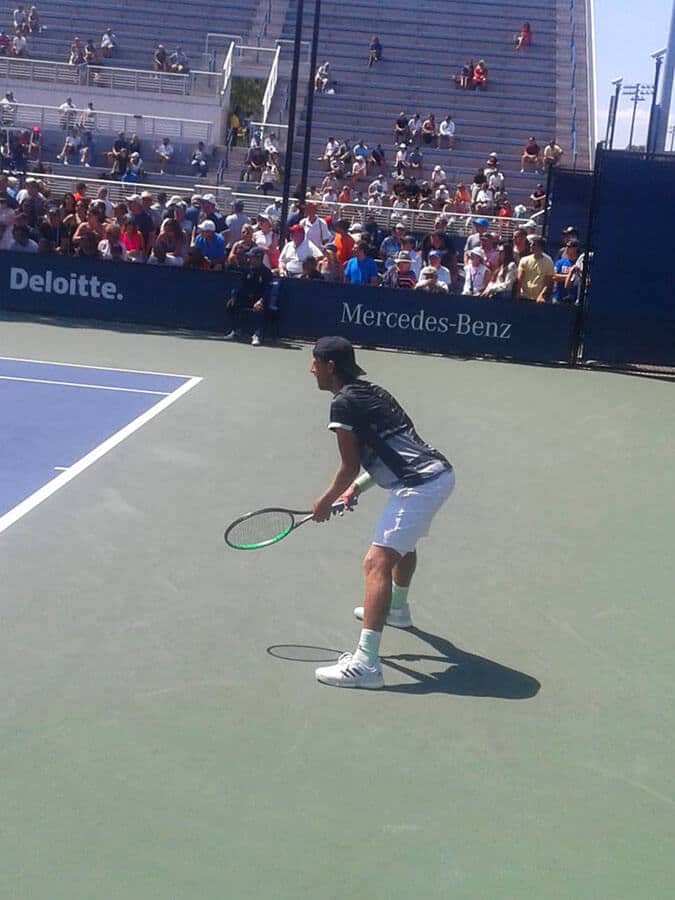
(49, 362)
(94, 387)
(21, 509)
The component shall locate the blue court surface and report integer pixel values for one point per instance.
(58, 419)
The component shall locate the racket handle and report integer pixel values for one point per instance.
(339, 508)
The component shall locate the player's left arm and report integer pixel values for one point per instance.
(350, 465)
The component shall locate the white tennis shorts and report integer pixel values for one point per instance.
(407, 516)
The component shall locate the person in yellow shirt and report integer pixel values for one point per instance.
(535, 273)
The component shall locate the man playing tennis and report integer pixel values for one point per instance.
(374, 432)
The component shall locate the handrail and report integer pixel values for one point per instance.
(118, 190)
(271, 85)
(227, 71)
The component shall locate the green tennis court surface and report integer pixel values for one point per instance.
(163, 735)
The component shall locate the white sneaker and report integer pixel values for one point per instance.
(255, 341)
(351, 674)
(398, 618)
(230, 336)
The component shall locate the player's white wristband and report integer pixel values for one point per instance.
(363, 482)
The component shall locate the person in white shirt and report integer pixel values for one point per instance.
(295, 252)
(316, 230)
(446, 131)
(442, 272)
(438, 176)
(165, 154)
(476, 273)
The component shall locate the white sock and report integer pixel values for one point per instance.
(368, 650)
(399, 596)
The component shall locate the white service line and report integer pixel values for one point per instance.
(50, 362)
(21, 509)
(94, 387)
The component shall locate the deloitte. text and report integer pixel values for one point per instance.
(76, 285)
(463, 324)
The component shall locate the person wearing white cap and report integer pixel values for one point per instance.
(210, 211)
(476, 273)
(428, 281)
(211, 244)
(438, 176)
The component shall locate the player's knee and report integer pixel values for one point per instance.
(379, 560)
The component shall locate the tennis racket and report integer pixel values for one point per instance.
(270, 525)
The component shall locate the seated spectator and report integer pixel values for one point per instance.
(198, 162)
(377, 157)
(211, 244)
(430, 282)
(374, 50)
(111, 240)
(361, 268)
(76, 52)
(108, 43)
(446, 133)
(416, 162)
(21, 240)
(489, 244)
(178, 62)
(245, 243)
(476, 273)
(269, 178)
(295, 252)
(531, 156)
(322, 78)
(330, 267)
(400, 275)
(342, 241)
(521, 245)
(135, 171)
(5, 44)
(331, 149)
(415, 129)
(160, 59)
(119, 155)
(441, 196)
(538, 198)
(535, 273)
(88, 246)
(359, 168)
(564, 287)
(462, 198)
(132, 240)
(254, 162)
(86, 149)
(310, 270)
(165, 154)
(484, 201)
(69, 152)
(173, 240)
(20, 49)
(503, 205)
(524, 36)
(90, 53)
(345, 195)
(503, 280)
(392, 245)
(480, 75)
(195, 259)
(464, 77)
(252, 297)
(552, 154)
(429, 131)
(20, 19)
(435, 261)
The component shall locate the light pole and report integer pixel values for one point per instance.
(655, 111)
(611, 117)
(637, 93)
(671, 132)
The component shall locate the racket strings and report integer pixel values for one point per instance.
(260, 529)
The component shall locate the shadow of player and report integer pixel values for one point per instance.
(465, 674)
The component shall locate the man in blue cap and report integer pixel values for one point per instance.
(473, 241)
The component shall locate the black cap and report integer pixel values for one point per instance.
(341, 352)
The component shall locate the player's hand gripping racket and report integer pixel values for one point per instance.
(268, 526)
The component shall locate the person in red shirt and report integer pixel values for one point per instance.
(524, 36)
(343, 241)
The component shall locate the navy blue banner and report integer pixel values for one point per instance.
(416, 320)
(118, 292)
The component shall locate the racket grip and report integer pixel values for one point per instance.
(339, 507)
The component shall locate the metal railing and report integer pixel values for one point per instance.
(118, 190)
(112, 78)
(253, 53)
(271, 85)
(227, 72)
(415, 220)
(26, 115)
(288, 45)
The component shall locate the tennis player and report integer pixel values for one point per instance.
(374, 432)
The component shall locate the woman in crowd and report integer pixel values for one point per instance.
(330, 266)
(132, 240)
(111, 241)
(504, 276)
(524, 36)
